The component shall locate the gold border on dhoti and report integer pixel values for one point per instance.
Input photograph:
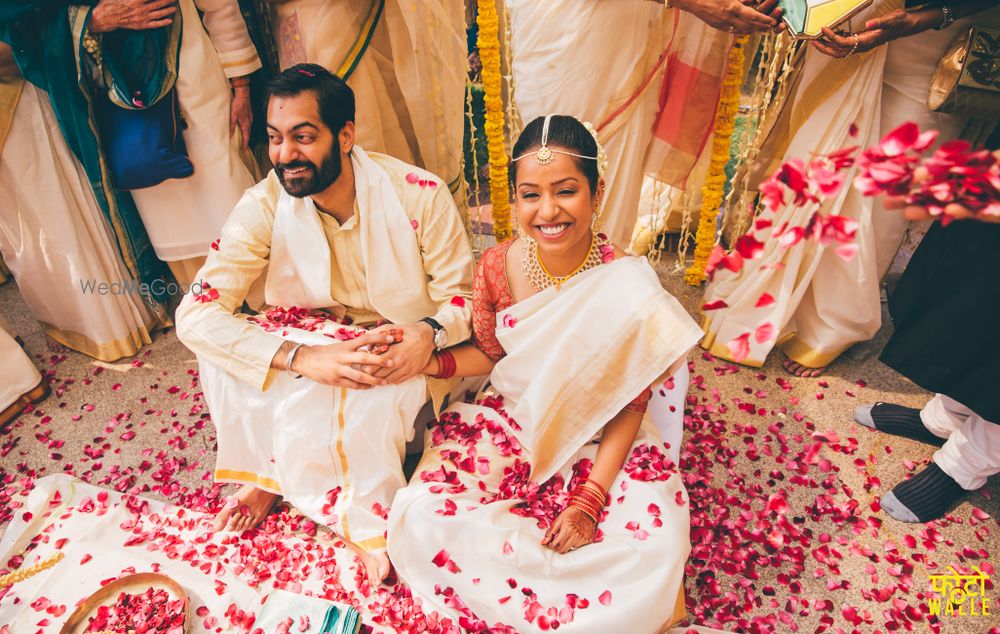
(346, 67)
(108, 351)
(804, 354)
(342, 455)
(247, 477)
(721, 350)
(10, 95)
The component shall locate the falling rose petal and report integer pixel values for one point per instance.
(507, 548)
(605, 598)
(900, 139)
(852, 130)
(763, 333)
(715, 305)
(679, 498)
(749, 247)
(458, 301)
(740, 347)
(846, 252)
(412, 178)
(925, 140)
(791, 237)
(414, 224)
(766, 299)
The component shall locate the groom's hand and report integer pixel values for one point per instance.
(410, 355)
(342, 364)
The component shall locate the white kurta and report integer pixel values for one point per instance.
(58, 244)
(183, 216)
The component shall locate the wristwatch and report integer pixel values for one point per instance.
(946, 18)
(440, 334)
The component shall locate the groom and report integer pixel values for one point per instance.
(364, 237)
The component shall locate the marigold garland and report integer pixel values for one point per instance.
(712, 191)
(489, 55)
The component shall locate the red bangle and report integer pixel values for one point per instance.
(590, 496)
(586, 509)
(446, 365)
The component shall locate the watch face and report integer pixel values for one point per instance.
(440, 338)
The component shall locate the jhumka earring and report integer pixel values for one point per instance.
(597, 217)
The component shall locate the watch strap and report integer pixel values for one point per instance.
(438, 328)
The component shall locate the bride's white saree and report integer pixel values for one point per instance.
(465, 534)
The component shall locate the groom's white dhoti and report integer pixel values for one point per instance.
(334, 453)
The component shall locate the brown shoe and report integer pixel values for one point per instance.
(36, 394)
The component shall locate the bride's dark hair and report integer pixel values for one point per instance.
(566, 133)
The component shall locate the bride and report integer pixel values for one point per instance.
(549, 503)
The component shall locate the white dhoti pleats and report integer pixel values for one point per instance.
(335, 454)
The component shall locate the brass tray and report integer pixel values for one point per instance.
(133, 584)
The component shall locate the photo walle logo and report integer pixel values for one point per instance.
(959, 594)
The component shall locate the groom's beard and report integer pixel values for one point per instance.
(313, 179)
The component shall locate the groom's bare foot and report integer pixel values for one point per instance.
(800, 370)
(376, 565)
(245, 510)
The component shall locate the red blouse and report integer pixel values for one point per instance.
(490, 295)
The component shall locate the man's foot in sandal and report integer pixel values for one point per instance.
(245, 510)
(798, 369)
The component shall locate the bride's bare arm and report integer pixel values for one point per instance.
(573, 528)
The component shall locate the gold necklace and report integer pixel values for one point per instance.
(540, 278)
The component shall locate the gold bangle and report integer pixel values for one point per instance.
(593, 506)
(587, 494)
(588, 512)
(594, 486)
